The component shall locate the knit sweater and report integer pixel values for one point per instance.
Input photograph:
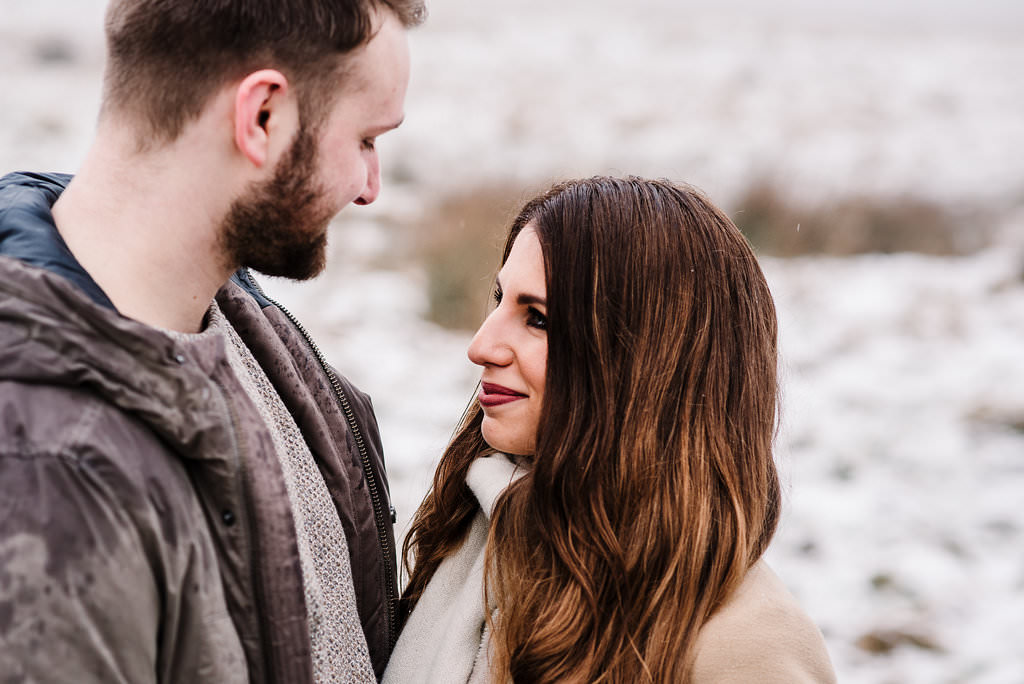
(339, 646)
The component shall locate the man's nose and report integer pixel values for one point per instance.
(372, 189)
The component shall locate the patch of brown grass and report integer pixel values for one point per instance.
(778, 226)
(885, 641)
(459, 242)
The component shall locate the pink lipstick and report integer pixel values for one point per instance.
(496, 395)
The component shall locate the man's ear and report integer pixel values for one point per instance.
(260, 103)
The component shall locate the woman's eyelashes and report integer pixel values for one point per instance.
(534, 318)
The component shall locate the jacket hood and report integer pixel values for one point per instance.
(58, 328)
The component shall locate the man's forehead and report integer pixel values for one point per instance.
(380, 64)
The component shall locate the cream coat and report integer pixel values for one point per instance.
(761, 635)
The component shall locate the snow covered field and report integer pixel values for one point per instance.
(903, 424)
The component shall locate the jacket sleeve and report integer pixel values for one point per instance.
(78, 599)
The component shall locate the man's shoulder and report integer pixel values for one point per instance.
(73, 464)
(103, 545)
(65, 427)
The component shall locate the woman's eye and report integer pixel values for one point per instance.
(497, 295)
(535, 319)
(369, 144)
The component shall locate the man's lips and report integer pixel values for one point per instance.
(495, 395)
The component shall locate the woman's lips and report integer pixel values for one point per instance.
(496, 395)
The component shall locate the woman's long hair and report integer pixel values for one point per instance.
(653, 488)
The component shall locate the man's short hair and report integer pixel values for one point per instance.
(166, 58)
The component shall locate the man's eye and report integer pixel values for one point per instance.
(535, 319)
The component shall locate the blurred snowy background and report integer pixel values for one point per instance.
(902, 442)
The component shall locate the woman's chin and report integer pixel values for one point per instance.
(507, 441)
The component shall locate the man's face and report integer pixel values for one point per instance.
(279, 227)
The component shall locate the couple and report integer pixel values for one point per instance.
(190, 493)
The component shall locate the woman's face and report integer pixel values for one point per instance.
(512, 347)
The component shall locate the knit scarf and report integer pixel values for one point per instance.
(444, 640)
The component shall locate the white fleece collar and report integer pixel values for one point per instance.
(489, 476)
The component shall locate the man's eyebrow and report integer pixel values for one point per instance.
(386, 127)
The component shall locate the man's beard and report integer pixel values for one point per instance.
(279, 227)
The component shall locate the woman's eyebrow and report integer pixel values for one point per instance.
(523, 299)
(528, 299)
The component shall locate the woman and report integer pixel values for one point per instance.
(601, 513)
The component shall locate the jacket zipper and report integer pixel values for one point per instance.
(390, 586)
(254, 543)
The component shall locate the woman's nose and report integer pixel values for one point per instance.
(487, 347)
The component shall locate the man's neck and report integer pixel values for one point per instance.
(146, 228)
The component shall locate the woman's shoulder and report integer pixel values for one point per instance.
(761, 634)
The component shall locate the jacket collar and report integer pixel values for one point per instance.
(28, 232)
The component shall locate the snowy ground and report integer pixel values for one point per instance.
(903, 425)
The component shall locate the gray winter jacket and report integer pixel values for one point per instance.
(145, 529)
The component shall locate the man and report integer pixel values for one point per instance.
(188, 492)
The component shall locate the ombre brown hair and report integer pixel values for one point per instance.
(653, 488)
(165, 58)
